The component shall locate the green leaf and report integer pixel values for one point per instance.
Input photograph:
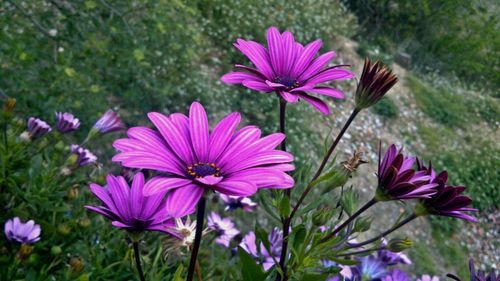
(314, 277)
(138, 55)
(285, 207)
(299, 235)
(311, 206)
(343, 261)
(250, 270)
(178, 273)
(262, 235)
(267, 205)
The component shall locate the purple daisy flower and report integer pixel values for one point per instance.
(236, 202)
(193, 159)
(128, 208)
(376, 80)
(396, 275)
(397, 180)
(84, 156)
(26, 233)
(109, 122)
(289, 69)
(224, 227)
(369, 268)
(37, 127)
(264, 257)
(66, 122)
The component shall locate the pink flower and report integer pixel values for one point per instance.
(289, 69)
(223, 227)
(192, 158)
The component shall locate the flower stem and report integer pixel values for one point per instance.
(349, 220)
(385, 233)
(286, 221)
(137, 255)
(200, 215)
(358, 252)
(325, 160)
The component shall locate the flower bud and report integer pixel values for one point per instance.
(64, 229)
(376, 80)
(399, 245)
(76, 265)
(85, 222)
(56, 250)
(339, 174)
(9, 105)
(25, 251)
(362, 224)
(73, 192)
(321, 216)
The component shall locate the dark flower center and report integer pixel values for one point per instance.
(200, 170)
(287, 81)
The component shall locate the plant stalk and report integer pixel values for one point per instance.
(137, 255)
(200, 216)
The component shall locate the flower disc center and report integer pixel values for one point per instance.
(200, 170)
(287, 81)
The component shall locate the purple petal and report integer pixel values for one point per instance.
(257, 86)
(239, 141)
(238, 77)
(257, 54)
(236, 188)
(317, 65)
(264, 177)
(258, 159)
(305, 58)
(198, 129)
(221, 135)
(317, 103)
(103, 195)
(182, 201)
(331, 92)
(136, 196)
(331, 74)
(209, 180)
(289, 97)
(275, 46)
(163, 184)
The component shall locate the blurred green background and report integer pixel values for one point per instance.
(139, 56)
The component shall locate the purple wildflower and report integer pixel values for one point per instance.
(396, 275)
(224, 227)
(26, 233)
(427, 277)
(398, 180)
(263, 256)
(369, 268)
(374, 83)
(448, 200)
(84, 156)
(391, 258)
(128, 208)
(109, 122)
(192, 159)
(38, 127)
(66, 122)
(344, 274)
(289, 69)
(477, 275)
(236, 202)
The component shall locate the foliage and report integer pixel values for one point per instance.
(386, 108)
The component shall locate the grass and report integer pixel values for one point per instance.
(386, 108)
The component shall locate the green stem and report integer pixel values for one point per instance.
(200, 216)
(137, 255)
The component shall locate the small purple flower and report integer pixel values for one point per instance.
(109, 122)
(66, 122)
(477, 275)
(223, 227)
(397, 180)
(26, 233)
(193, 158)
(369, 268)
(427, 277)
(289, 69)
(84, 156)
(344, 274)
(264, 257)
(376, 80)
(396, 275)
(128, 208)
(391, 258)
(448, 200)
(236, 202)
(38, 127)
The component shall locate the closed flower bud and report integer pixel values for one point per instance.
(73, 192)
(85, 222)
(76, 265)
(376, 80)
(340, 174)
(56, 250)
(321, 217)
(9, 104)
(64, 229)
(399, 245)
(362, 224)
(25, 251)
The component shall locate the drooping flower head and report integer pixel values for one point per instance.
(396, 275)
(448, 201)
(185, 232)
(289, 69)
(427, 277)
(236, 202)
(66, 122)
(477, 275)
(398, 180)
(84, 156)
(26, 233)
(109, 122)
(224, 229)
(260, 253)
(128, 208)
(369, 268)
(376, 80)
(192, 158)
(37, 127)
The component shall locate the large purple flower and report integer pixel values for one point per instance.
(223, 227)
(26, 233)
(289, 69)
(398, 180)
(128, 208)
(193, 159)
